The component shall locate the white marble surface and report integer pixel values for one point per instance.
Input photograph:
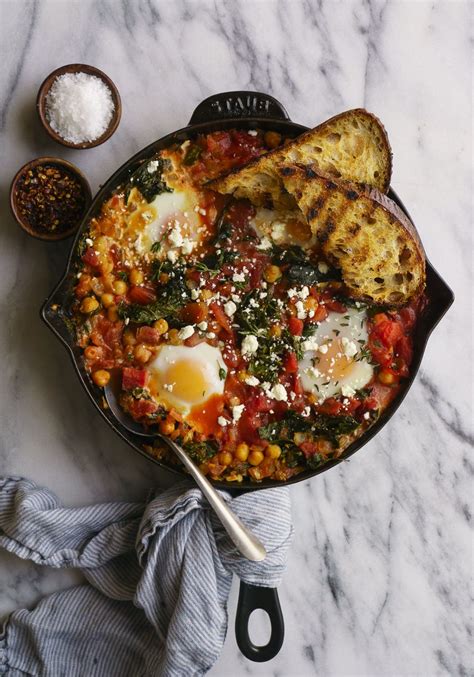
(379, 574)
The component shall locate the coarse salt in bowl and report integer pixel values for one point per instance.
(79, 106)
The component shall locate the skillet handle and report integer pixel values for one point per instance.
(253, 597)
(238, 105)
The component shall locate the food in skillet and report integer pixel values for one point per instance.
(230, 315)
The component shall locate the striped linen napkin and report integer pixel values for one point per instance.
(158, 574)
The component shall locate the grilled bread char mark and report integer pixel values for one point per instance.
(352, 145)
(362, 232)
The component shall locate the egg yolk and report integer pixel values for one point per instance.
(188, 381)
(334, 364)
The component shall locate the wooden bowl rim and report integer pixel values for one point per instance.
(78, 68)
(50, 237)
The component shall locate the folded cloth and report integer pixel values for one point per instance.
(159, 577)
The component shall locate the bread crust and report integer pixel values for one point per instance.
(350, 221)
(320, 145)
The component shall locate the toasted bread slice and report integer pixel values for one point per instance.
(353, 146)
(363, 233)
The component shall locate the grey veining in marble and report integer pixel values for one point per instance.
(379, 576)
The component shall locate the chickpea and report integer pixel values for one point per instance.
(89, 305)
(101, 244)
(242, 452)
(272, 139)
(273, 451)
(106, 266)
(256, 456)
(120, 287)
(161, 326)
(243, 375)
(112, 313)
(101, 377)
(225, 458)
(92, 353)
(136, 276)
(141, 353)
(272, 273)
(107, 300)
(275, 330)
(386, 377)
(173, 336)
(206, 294)
(129, 337)
(167, 426)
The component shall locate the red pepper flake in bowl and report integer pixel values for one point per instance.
(49, 198)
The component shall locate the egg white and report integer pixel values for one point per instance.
(282, 227)
(183, 377)
(335, 366)
(166, 212)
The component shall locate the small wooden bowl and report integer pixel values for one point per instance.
(72, 169)
(90, 70)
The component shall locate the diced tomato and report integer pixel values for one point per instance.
(91, 258)
(297, 386)
(331, 406)
(231, 357)
(290, 363)
(320, 314)
(141, 408)
(335, 306)
(259, 402)
(383, 394)
(295, 326)
(352, 405)
(389, 332)
(149, 335)
(380, 353)
(141, 295)
(220, 316)
(134, 378)
(218, 143)
(404, 349)
(408, 317)
(308, 448)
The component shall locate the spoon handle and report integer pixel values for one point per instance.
(245, 541)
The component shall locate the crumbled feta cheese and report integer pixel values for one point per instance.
(304, 293)
(202, 326)
(367, 415)
(89, 241)
(323, 349)
(126, 321)
(265, 243)
(235, 298)
(306, 411)
(222, 421)
(279, 393)
(175, 237)
(249, 345)
(194, 294)
(278, 231)
(210, 335)
(312, 371)
(310, 343)
(252, 132)
(238, 277)
(172, 255)
(237, 411)
(323, 267)
(229, 308)
(186, 332)
(152, 166)
(252, 381)
(300, 310)
(349, 347)
(347, 391)
(187, 247)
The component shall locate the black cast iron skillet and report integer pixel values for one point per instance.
(246, 110)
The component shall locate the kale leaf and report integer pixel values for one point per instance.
(150, 184)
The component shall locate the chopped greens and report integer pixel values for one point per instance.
(320, 425)
(193, 153)
(150, 184)
(200, 451)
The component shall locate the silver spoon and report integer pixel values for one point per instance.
(245, 541)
